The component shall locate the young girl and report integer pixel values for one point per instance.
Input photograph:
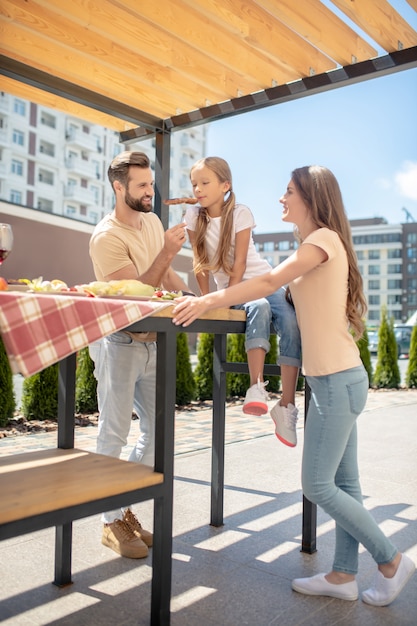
(220, 233)
(326, 288)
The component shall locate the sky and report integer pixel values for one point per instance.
(365, 133)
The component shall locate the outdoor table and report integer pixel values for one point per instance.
(41, 329)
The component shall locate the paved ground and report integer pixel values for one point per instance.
(239, 573)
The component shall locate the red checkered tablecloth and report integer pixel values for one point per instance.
(41, 329)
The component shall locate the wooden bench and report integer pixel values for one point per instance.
(47, 487)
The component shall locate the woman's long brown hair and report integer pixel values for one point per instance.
(321, 193)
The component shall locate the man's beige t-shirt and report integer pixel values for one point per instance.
(114, 245)
(320, 302)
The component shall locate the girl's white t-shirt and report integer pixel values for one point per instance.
(242, 219)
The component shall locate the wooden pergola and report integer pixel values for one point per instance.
(146, 67)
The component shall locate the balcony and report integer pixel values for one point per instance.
(83, 168)
(76, 137)
(79, 194)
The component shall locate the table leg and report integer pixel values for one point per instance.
(66, 411)
(218, 432)
(309, 536)
(164, 462)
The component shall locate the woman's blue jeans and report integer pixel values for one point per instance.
(330, 475)
(259, 315)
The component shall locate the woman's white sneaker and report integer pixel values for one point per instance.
(256, 399)
(319, 586)
(385, 590)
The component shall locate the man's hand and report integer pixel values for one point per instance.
(187, 309)
(175, 238)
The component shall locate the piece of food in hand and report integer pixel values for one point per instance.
(181, 201)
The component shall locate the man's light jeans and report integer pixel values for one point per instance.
(126, 376)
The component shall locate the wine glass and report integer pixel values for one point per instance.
(6, 241)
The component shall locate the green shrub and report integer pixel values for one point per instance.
(186, 387)
(363, 345)
(236, 384)
(203, 373)
(85, 384)
(411, 374)
(7, 397)
(40, 395)
(387, 373)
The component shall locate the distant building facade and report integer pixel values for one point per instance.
(387, 258)
(57, 164)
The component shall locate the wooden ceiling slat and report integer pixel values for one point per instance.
(202, 75)
(66, 64)
(316, 23)
(60, 31)
(266, 35)
(180, 20)
(381, 22)
(413, 3)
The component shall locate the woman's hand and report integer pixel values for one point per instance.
(187, 309)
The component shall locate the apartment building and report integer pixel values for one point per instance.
(387, 257)
(57, 164)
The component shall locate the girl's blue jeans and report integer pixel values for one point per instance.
(330, 475)
(259, 315)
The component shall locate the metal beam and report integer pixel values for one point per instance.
(65, 89)
(347, 75)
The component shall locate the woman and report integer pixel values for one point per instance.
(326, 288)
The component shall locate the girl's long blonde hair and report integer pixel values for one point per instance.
(222, 257)
(321, 193)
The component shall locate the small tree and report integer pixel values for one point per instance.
(85, 384)
(411, 374)
(363, 345)
(271, 358)
(40, 395)
(203, 373)
(186, 386)
(7, 397)
(236, 384)
(387, 372)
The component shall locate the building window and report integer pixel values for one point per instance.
(17, 167)
(374, 269)
(375, 300)
(412, 238)
(283, 245)
(412, 283)
(15, 196)
(394, 254)
(45, 205)
(412, 268)
(373, 284)
(47, 148)
(48, 120)
(394, 284)
(374, 254)
(19, 107)
(360, 255)
(412, 299)
(394, 269)
(393, 298)
(18, 137)
(46, 177)
(373, 316)
(268, 246)
(412, 253)
(71, 211)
